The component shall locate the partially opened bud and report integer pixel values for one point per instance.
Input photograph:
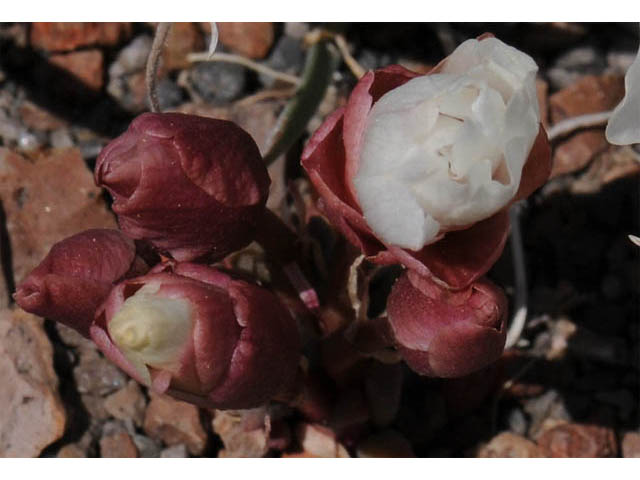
(201, 336)
(441, 333)
(77, 275)
(420, 169)
(191, 186)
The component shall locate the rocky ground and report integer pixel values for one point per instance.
(568, 389)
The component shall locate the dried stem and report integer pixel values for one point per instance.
(153, 62)
(318, 35)
(572, 124)
(352, 285)
(266, 95)
(351, 62)
(519, 267)
(245, 62)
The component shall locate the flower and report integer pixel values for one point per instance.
(623, 127)
(77, 275)
(420, 169)
(189, 185)
(200, 335)
(441, 333)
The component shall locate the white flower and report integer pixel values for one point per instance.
(446, 150)
(624, 125)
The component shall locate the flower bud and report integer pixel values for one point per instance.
(420, 169)
(441, 333)
(77, 275)
(189, 185)
(200, 335)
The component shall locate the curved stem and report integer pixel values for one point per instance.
(569, 125)
(519, 267)
(153, 61)
(356, 69)
(245, 62)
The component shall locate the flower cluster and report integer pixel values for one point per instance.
(191, 188)
(421, 170)
(418, 170)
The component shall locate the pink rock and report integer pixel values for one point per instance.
(33, 416)
(174, 422)
(65, 36)
(44, 206)
(86, 65)
(250, 39)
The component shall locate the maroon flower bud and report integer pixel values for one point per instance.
(441, 333)
(77, 275)
(191, 186)
(200, 335)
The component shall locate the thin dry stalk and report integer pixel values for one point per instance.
(520, 272)
(349, 61)
(153, 62)
(245, 62)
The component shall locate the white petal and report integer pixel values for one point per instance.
(447, 150)
(152, 329)
(394, 214)
(624, 125)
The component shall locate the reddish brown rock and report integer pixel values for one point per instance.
(46, 199)
(128, 403)
(510, 445)
(589, 95)
(612, 164)
(184, 38)
(39, 119)
(574, 440)
(174, 422)
(72, 450)
(86, 65)
(65, 36)
(239, 440)
(118, 445)
(631, 445)
(33, 416)
(250, 39)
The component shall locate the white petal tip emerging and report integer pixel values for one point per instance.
(152, 329)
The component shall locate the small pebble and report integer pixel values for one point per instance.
(217, 82)
(517, 422)
(579, 441)
(631, 445)
(60, 138)
(510, 445)
(132, 58)
(147, 447)
(287, 56)
(177, 451)
(118, 445)
(170, 95)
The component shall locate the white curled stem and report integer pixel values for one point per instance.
(153, 62)
(570, 125)
(519, 318)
